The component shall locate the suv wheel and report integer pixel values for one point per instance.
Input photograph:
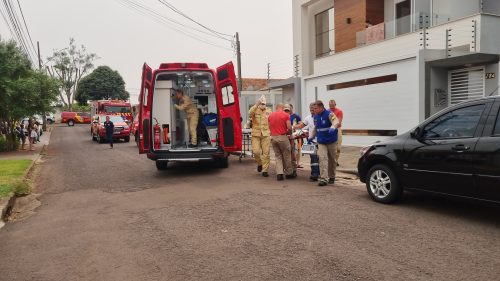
(71, 123)
(127, 139)
(222, 162)
(161, 165)
(382, 184)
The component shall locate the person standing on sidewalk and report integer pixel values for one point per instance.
(308, 125)
(340, 116)
(110, 128)
(325, 127)
(281, 129)
(261, 135)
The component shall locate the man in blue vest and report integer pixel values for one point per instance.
(326, 129)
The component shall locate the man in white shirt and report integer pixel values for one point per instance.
(308, 125)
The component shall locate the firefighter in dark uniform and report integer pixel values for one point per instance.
(110, 127)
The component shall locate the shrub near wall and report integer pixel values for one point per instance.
(3, 143)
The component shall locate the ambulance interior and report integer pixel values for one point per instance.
(199, 86)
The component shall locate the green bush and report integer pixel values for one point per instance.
(3, 143)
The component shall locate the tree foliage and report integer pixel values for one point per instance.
(23, 91)
(102, 83)
(69, 65)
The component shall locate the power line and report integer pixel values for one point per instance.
(145, 11)
(18, 31)
(6, 22)
(173, 8)
(26, 26)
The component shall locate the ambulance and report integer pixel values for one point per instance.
(163, 130)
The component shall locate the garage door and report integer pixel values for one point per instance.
(466, 84)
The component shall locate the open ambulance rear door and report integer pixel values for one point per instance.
(144, 124)
(230, 135)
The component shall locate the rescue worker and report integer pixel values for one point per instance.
(325, 127)
(110, 127)
(187, 105)
(281, 129)
(340, 115)
(261, 135)
(308, 125)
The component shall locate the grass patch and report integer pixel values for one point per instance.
(11, 173)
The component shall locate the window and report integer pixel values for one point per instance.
(227, 95)
(363, 82)
(496, 132)
(325, 33)
(403, 17)
(460, 123)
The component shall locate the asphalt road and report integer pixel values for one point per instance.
(108, 214)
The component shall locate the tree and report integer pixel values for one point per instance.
(102, 83)
(69, 65)
(23, 91)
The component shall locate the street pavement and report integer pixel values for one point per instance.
(108, 214)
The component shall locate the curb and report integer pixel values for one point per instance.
(7, 203)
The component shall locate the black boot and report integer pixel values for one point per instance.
(265, 174)
(279, 177)
(259, 168)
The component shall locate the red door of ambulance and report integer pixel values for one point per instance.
(230, 134)
(144, 123)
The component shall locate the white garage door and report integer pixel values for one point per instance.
(466, 84)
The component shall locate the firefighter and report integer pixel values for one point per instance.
(187, 105)
(261, 135)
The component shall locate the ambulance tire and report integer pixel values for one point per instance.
(161, 165)
(127, 139)
(223, 162)
(71, 123)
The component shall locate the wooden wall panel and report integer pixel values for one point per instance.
(345, 34)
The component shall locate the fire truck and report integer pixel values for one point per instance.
(112, 107)
(163, 130)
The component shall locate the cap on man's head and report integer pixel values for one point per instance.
(287, 107)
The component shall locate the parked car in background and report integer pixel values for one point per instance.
(75, 117)
(98, 132)
(456, 152)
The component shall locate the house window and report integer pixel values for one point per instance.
(403, 17)
(325, 33)
(363, 82)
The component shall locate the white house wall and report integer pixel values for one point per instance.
(384, 106)
(402, 47)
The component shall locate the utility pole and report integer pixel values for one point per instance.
(44, 115)
(268, 76)
(238, 57)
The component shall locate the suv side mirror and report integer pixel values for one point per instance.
(416, 133)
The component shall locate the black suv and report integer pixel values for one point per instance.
(455, 152)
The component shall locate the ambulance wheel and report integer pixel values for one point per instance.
(71, 123)
(223, 162)
(127, 139)
(161, 165)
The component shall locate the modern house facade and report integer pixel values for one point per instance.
(390, 64)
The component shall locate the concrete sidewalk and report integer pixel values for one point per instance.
(5, 203)
(348, 160)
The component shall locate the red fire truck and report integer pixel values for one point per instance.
(112, 107)
(163, 130)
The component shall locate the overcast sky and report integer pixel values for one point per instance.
(124, 37)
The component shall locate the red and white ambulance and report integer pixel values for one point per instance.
(163, 130)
